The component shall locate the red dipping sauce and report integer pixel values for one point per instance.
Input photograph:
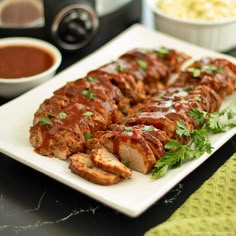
(19, 61)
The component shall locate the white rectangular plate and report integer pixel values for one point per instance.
(131, 197)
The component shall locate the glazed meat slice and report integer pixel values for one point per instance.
(146, 68)
(156, 119)
(159, 134)
(173, 58)
(155, 144)
(51, 105)
(218, 74)
(82, 165)
(131, 148)
(208, 98)
(155, 138)
(109, 162)
(131, 92)
(89, 107)
(60, 143)
(139, 72)
(160, 62)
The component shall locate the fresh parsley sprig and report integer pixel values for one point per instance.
(199, 143)
(215, 122)
(178, 153)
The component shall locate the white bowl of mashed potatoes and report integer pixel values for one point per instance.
(207, 23)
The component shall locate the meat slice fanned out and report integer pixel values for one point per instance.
(82, 165)
(109, 162)
(130, 147)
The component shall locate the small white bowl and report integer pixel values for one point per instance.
(10, 88)
(218, 35)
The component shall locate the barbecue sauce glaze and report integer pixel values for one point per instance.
(18, 61)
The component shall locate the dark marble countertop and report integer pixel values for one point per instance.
(34, 204)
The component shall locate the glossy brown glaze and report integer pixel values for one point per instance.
(19, 61)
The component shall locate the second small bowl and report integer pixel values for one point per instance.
(219, 35)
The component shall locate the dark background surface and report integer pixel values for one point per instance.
(34, 204)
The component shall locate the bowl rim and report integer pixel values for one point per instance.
(200, 22)
(30, 41)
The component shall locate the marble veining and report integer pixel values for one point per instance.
(174, 194)
(37, 224)
(169, 199)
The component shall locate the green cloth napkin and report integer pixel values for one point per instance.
(211, 210)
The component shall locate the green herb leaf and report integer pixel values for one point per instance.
(199, 143)
(51, 115)
(62, 115)
(88, 93)
(127, 164)
(149, 128)
(215, 122)
(198, 116)
(91, 79)
(120, 68)
(197, 99)
(178, 153)
(128, 129)
(88, 113)
(88, 136)
(126, 121)
(189, 88)
(162, 51)
(45, 121)
(182, 129)
(195, 72)
(142, 64)
(209, 69)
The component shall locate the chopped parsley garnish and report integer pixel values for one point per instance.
(126, 121)
(91, 79)
(196, 72)
(189, 88)
(62, 115)
(128, 129)
(197, 99)
(142, 64)
(88, 93)
(47, 120)
(209, 69)
(127, 164)
(88, 136)
(162, 51)
(149, 128)
(120, 68)
(88, 113)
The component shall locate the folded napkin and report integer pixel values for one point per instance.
(211, 210)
